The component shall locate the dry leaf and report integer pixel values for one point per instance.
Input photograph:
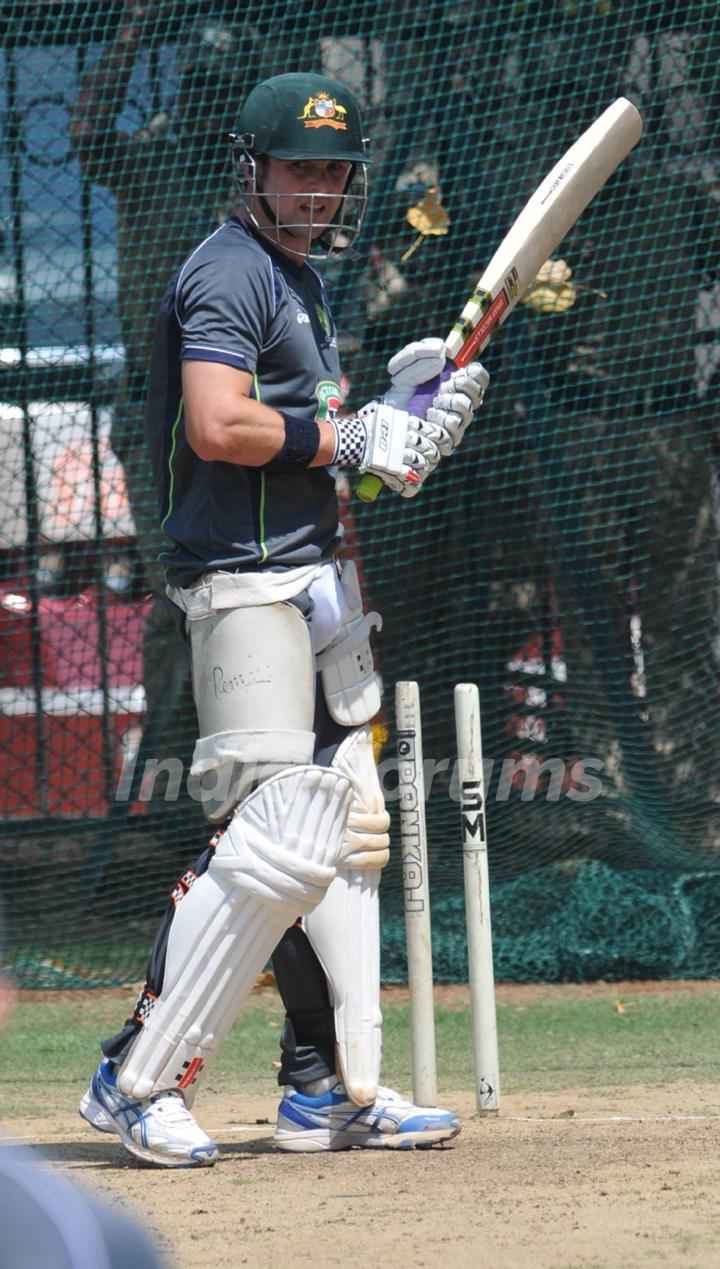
(555, 272)
(551, 291)
(429, 217)
(380, 734)
(546, 297)
(619, 1007)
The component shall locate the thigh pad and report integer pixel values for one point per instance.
(254, 687)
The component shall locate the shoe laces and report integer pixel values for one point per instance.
(389, 1095)
(172, 1108)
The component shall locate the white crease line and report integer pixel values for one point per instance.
(515, 1119)
(608, 1119)
(244, 1128)
(81, 1136)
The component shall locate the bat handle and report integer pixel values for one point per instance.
(369, 487)
(416, 401)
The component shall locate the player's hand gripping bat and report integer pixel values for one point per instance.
(541, 226)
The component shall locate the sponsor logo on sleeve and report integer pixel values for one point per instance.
(329, 399)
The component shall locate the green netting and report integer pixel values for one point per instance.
(566, 560)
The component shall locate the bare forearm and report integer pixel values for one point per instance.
(251, 435)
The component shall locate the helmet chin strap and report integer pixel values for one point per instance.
(271, 215)
(268, 211)
(301, 232)
(274, 218)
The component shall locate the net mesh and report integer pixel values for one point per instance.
(566, 560)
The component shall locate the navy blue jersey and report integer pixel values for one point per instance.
(239, 302)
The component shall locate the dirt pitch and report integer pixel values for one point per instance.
(557, 1181)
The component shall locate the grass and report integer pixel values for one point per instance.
(557, 1038)
(571, 1039)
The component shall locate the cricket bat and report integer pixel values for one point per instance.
(546, 218)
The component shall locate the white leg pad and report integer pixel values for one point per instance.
(274, 863)
(344, 929)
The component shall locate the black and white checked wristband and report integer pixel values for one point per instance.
(351, 442)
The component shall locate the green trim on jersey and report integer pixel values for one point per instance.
(234, 515)
(171, 488)
(263, 492)
(263, 544)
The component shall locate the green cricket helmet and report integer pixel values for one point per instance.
(303, 116)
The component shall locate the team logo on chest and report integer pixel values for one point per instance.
(323, 319)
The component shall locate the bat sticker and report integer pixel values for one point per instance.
(484, 326)
(511, 283)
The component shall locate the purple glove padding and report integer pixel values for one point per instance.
(422, 397)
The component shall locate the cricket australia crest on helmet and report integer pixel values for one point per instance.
(323, 111)
(302, 116)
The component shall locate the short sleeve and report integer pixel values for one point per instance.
(225, 304)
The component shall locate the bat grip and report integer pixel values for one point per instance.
(416, 401)
(369, 487)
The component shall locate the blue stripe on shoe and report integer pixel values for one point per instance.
(365, 1113)
(294, 1114)
(316, 1103)
(98, 1088)
(103, 1084)
(424, 1123)
(107, 1071)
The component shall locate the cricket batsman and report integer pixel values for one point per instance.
(246, 438)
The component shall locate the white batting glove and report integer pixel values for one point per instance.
(391, 444)
(428, 386)
(415, 364)
(454, 406)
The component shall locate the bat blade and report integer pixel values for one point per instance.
(538, 230)
(544, 221)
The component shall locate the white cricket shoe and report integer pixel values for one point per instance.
(158, 1130)
(332, 1122)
